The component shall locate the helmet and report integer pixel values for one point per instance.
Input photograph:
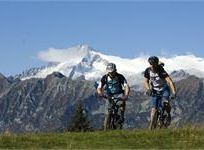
(111, 67)
(153, 60)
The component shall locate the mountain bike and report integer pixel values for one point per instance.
(162, 117)
(115, 120)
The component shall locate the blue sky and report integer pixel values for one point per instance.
(125, 29)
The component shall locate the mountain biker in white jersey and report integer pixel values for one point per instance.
(113, 84)
(157, 81)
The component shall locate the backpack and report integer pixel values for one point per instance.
(113, 86)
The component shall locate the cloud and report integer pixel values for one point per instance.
(52, 55)
(70, 55)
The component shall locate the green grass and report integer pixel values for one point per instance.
(187, 138)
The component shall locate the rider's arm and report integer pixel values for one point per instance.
(100, 86)
(165, 75)
(125, 86)
(99, 91)
(171, 84)
(146, 84)
(146, 79)
(126, 89)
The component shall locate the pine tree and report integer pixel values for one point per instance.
(79, 121)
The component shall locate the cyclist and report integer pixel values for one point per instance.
(157, 81)
(113, 84)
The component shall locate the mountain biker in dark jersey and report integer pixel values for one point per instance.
(113, 84)
(157, 81)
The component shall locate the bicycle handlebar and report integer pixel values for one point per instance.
(113, 98)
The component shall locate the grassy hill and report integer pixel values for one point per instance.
(187, 138)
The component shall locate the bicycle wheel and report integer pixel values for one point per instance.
(161, 121)
(167, 115)
(166, 119)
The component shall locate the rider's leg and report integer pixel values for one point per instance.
(122, 112)
(106, 123)
(154, 104)
(168, 106)
(168, 110)
(153, 111)
(152, 118)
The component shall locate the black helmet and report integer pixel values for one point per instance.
(153, 60)
(111, 67)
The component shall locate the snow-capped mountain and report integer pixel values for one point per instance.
(83, 60)
(72, 62)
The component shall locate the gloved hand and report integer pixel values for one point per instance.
(149, 92)
(125, 97)
(172, 96)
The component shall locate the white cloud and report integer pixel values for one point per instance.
(51, 55)
(70, 55)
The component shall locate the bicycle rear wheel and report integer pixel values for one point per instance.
(167, 120)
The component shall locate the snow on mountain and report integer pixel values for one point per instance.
(72, 62)
(83, 60)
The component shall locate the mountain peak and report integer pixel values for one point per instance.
(55, 75)
(179, 75)
(86, 47)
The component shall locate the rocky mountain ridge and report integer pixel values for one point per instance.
(47, 104)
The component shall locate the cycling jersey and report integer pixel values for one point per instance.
(113, 85)
(156, 78)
